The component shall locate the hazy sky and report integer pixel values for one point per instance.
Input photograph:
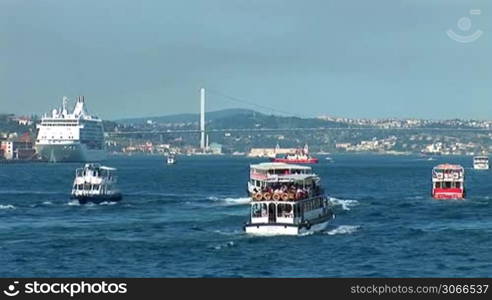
(353, 58)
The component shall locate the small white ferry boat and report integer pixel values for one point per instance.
(95, 183)
(286, 200)
(171, 159)
(481, 162)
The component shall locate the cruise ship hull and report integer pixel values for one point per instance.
(69, 153)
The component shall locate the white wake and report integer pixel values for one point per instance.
(343, 229)
(231, 201)
(8, 206)
(344, 203)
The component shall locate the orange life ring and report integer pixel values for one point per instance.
(276, 196)
(285, 196)
(267, 196)
(258, 196)
(292, 196)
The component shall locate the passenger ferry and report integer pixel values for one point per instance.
(95, 183)
(448, 182)
(75, 136)
(481, 162)
(286, 200)
(300, 156)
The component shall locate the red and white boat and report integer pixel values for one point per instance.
(448, 182)
(300, 156)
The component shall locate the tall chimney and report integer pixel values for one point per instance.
(202, 119)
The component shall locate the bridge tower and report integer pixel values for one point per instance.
(202, 119)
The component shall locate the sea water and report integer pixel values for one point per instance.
(186, 220)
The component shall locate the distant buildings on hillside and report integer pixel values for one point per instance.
(17, 148)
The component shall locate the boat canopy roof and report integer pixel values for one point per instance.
(282, 172)
(96, 166)
(293, 178)
(278, 166)
(448, 167)
(480, 157)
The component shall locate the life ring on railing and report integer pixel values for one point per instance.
(292, 196)
(285, 196)
(456, 175)
(258, 196)
(439, 175)
(276, 196)
(298, 196)
(267, 196)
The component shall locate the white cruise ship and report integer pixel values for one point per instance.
(71, 137)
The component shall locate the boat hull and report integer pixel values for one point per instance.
(448, 194)
(481, 167)
(272, 229)
(98, 199)
(69, 153)
(296, 161)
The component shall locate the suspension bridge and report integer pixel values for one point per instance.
(203, 131)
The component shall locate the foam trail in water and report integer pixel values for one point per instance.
(231, 201)
(8, 206)
(346, 204)
(233, 232)
(225, 245)
(343, 229)
(74, 203)
(47, 203)
(108, 203)
(306, 233)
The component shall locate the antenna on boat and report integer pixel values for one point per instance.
(64, 105)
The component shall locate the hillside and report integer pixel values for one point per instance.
(185, 118)
(235, 119)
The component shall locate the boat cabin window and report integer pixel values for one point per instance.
(447, 184)
(95, 187)
(297, 210)
(259, 210)
(438, 185)
(313, 204)
(284, 210)
(255, 182)
(457, 185)
(81, 187)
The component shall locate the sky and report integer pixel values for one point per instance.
(347, 58)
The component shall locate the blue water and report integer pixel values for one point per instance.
(186, 220)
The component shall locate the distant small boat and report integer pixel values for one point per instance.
(95, 183)
(301, 156)
(481, 162)
(171, 159)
